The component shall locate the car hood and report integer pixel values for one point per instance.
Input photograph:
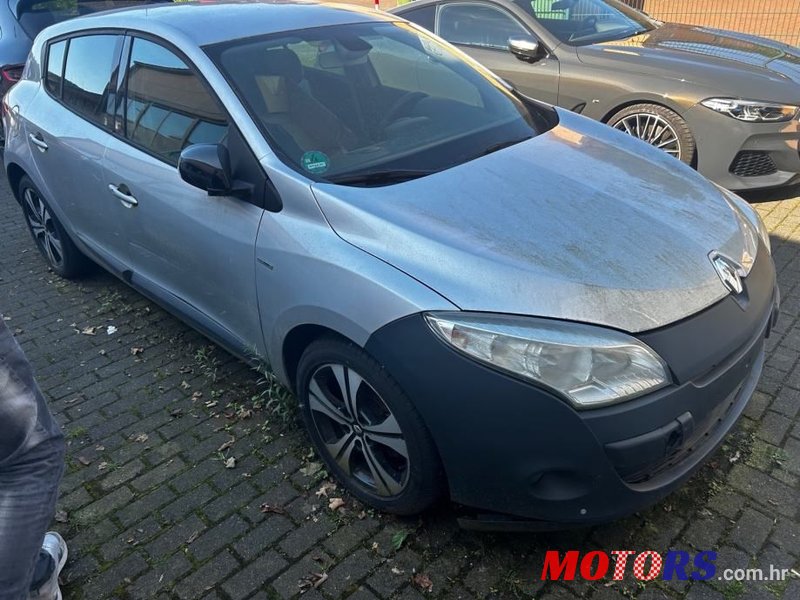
(581, 223)
(692, 51)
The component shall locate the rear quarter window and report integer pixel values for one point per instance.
(55, 67)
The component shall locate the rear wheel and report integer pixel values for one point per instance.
(53, 242)
(366, 430)
(658, 126)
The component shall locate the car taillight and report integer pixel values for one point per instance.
(12, 73)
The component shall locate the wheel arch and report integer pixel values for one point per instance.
(658, 101)
(15, 174)
(295, 343)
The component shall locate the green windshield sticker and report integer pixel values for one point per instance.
(315, 162)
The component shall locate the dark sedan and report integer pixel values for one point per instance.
(726, 103)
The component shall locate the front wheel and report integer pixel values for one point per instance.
(366, 430)
(658, 126)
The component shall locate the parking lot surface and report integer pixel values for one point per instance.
(188, 476)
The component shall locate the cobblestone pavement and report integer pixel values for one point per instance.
(154, 415)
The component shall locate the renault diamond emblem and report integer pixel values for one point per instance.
(729, 272)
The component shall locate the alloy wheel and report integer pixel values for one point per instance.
(43, 228)
(653, 129)
(358, 430)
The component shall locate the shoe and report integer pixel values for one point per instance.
(56, 547)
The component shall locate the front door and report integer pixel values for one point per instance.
(193, 252)
(482, 30)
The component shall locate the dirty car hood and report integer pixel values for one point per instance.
(581, 223)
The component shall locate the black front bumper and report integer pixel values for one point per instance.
(515, 450)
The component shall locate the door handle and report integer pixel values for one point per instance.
(123, 194)
(36, 140)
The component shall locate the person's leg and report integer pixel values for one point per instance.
(31, 465)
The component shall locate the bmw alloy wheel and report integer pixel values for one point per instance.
(358, 430)
(653, 129)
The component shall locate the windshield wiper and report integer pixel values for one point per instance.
(384, 177)
(506, 144)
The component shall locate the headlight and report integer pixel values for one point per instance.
(590, 366)
(753, 111)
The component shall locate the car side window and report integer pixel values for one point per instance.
(424, 16)
(476, 24)
(55, 67)
(167, 107)
(90, 74)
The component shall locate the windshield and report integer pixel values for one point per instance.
(373, 103)
(582, 22)
(35, 15)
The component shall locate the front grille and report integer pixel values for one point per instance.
(750, 163)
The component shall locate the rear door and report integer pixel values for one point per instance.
(482, 29)
(192, 252)
(68, 126)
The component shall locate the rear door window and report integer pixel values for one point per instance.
(167, 106)
(90, 77)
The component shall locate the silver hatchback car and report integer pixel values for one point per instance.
(470, 293)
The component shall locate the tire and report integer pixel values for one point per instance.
(658, 126)
(403, 478)
(48, 234)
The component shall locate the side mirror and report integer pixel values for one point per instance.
(524, 47)
(207, 166)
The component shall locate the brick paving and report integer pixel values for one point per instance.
(154, 412)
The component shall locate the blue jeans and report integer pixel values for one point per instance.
(31, 466)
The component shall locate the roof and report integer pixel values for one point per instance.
(206, 22)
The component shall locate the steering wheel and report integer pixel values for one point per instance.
(400, 105)
(587, 26)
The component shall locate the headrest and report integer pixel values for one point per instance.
(283, 63)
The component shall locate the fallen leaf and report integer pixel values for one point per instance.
(375, 546)
(423, 582)
(193, 537)
(137, 350)
(230, 462)
(84, 461)
(326, 487)
(184, 385)
(735, 457)
(111, 329)
(196, 396)
(226, 445)
(311, 469)
(336, 503)
(244, 413)
(176, 412)
(90, 330)
(312, 581)
(61, 516)
(211, 403)
(102, 352)
(269, 508)
(399, 538)
(141, 438)
(397, 571)
(102, 466)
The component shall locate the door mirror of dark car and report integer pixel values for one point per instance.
(208, 167)
(524, 47)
